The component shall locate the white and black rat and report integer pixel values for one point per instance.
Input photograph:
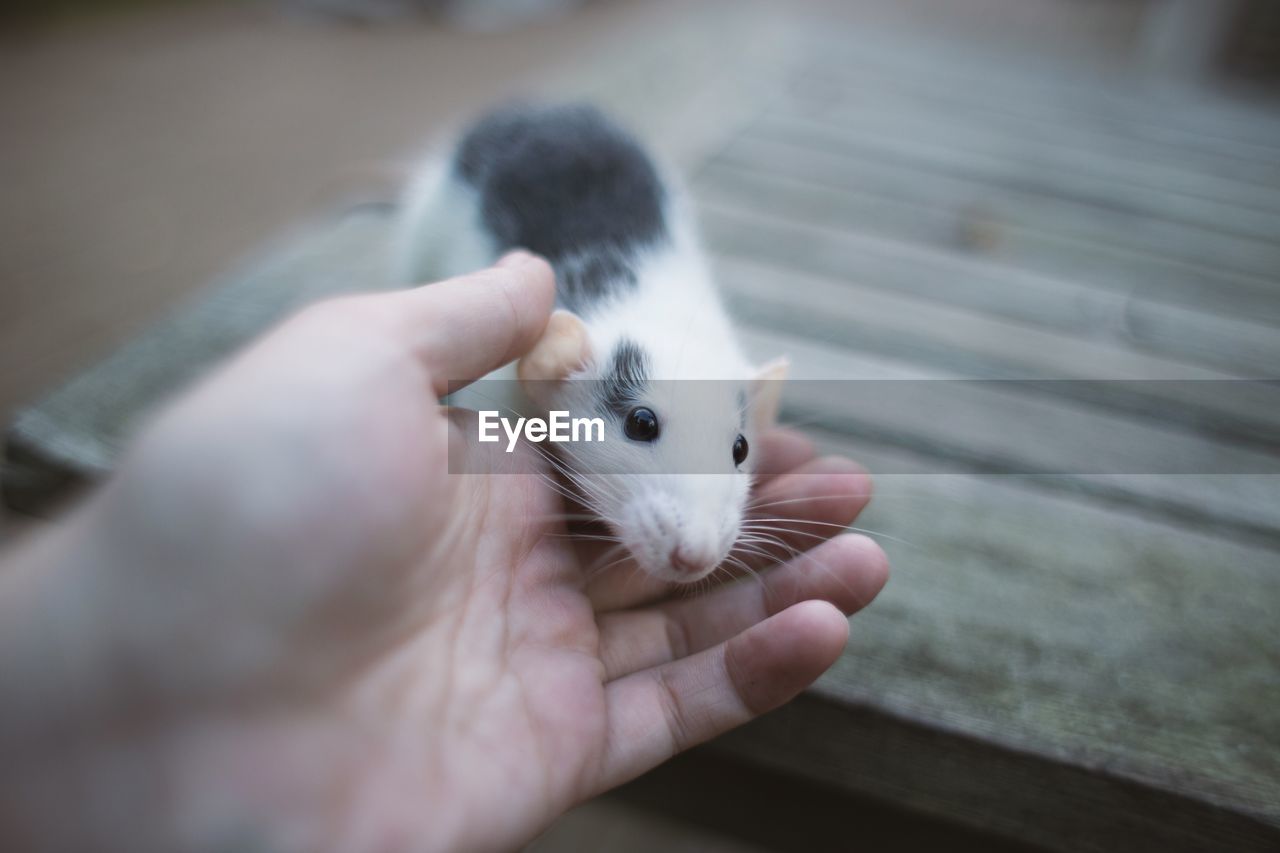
(637, 310)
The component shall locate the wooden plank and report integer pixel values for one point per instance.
(826, 200)
(786, 812)
(1044, 801)
(837, 96)
(1045, 666)
(1038, 170)
(1155, 117)
(1053, 441)
(610, 824)
(1108, 247)
(1230, 181)
(971, 344)
(865, 104)
(734, 222)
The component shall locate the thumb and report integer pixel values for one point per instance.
(464, 327)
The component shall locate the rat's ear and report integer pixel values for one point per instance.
(766, 393)
(563, 349)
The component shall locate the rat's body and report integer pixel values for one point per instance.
(566, 183)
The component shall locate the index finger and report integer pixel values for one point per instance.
(465, 327)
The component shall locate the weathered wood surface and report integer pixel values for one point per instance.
(1104, 248)
(1107, 109)
(1004, 430)
(961, 139)
(1079, 660)
(975, 344)
(746, 800)
(1048, 623)
(1125, 147)
(1147, 666)
(753, 220)
(1047, 205)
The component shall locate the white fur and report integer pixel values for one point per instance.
(439, 232)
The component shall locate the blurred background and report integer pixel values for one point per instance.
(1027, 189)
(148, 144)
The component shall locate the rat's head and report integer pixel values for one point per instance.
(673, 474)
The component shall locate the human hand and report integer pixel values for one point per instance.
(288, 623)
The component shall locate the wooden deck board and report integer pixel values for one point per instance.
(747, 224)
(974, 344)
(1140, 220)
(1021, 172)
(871, 113)
(1056, 627)
(1092, 245)
(1005, 430)
(1113, 632)
(1224, 172)
(1183, 121)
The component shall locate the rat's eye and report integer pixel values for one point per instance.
(641, 425)
(740, 449)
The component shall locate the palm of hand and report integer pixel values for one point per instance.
(447, 669)
(558, 683)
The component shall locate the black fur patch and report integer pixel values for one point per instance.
(567, 183)
(623, 383)
(582, 278)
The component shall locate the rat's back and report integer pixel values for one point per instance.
(562, 181)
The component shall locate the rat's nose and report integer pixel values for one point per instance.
(688, 561)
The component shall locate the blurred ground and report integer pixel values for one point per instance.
(145, 153)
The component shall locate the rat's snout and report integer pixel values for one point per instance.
(682, 532)
(693, 560)
(698, 548)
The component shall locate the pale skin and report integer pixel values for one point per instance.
(285, 625)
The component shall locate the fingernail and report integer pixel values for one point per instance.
(514, 258)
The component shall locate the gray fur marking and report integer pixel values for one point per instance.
(567, 183)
